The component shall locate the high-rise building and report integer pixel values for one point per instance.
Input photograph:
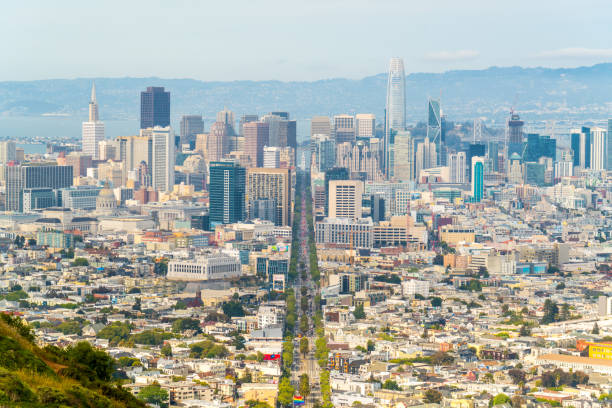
(426, 157)
(19, 177)
(93, 129)
(539, 146)
(320, 125)
(273, 185)
(335, 173)
(477, 178)
(246, 119)
(581, 147)
(191, 125)
(8, 151)
(609, 151)
(344, 129)
(271, 157)
(402, 156)
(361, 162)
(599, 149)
(255, 138)
(493, 155)
(475, 149)
(287, 136)
(227, 116)
(135, 149)
(345, 198)
(226, 193)
(515, 134)
(323, 152)
(365, 126)
(154, 107)
(434, 127)
(395, 108)
(457, 165)
(162, 155)
(218, 141)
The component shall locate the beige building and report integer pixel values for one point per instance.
(453, 234)
(365, 125)
(320, 125)
(345, 198)
(271, 184)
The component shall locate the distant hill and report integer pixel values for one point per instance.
(578, 93)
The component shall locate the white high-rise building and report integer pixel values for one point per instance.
(396, 104)
(402, 157)
(8, 151)
(457, 165)
(162, 158)
(93, 129)
(271, 157)
(426, 157)
(365, 125)
(599, 148)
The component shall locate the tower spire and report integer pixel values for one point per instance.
(93, 92)
(93, 105)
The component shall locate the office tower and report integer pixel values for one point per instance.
(288, 134)
(20, 177)
(135, 149)
(426, 157)
(609, 151)
(191, 125)
(475, 149)
(581, 147)
(361, 162)
(218, 141)
(395, 108)
(8, 151)
(108, 150)
(599, 148)
(80, 163)
(402, 156)
(273, 185)
(93, 129)
(281, 114)
(377, 208)
(563, 168)
(434, 127)
(493, 155)
(323, 152)
(201, 145)
(344, 129)
(255, 138)
(345, 198)
(539, 146)
(162, 154)
(515, 134)
(38, 199)
(365, 126)
(335, 173)
(271, 157)
(477, 178)
(246, 119)
(457, 166)
(154, 107)
(226, 193)
(320, 125)
(227, 116)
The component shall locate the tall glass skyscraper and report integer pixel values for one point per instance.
(226, 193)
(434, 128)
(154, 107)
(477, 178)
(395, 112)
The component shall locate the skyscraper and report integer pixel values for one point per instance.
(365, 126)
(93, 129)
(255, 138)
(395, 109)
(273, 185)
(162, 154)
(434, 127)
(8, 151)
(336, 173)
(609, 151)
(227, 116)
(320, 125)
(154, 107)
(323, 152)
(457, 165)
(226, 193)
(477, 178)
(581, 147)
(345, 198)
(191, 125)
(426, 157)
(515, 134)
(246, 119)
(218, 141)
(344, 129)
(271, 157)
(19, 178)
(599, 148)
(403, 157)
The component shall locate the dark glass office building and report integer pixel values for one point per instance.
(154, 107)
(539, 146)
(226, 193)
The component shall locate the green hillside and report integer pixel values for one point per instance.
(78, 376)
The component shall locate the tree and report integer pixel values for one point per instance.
(154, 394)
(166, 350)
(432, 396)
(560, 286)
(92, 363)
(442, 358)
(80, 262)
(595, 329)
(517, 375)
(304, 387)
(359, 313)
(525, 331)
(370, 346)
(436, 301)
(391, 385)
(304, 323)
(188, 323)
(499, 399)
(233, 308)
(304, 346)
(551, 312)
(285, 392)
(438, 259)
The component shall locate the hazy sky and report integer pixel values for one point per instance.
(294, 40)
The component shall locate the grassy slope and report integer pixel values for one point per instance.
(30, 378)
